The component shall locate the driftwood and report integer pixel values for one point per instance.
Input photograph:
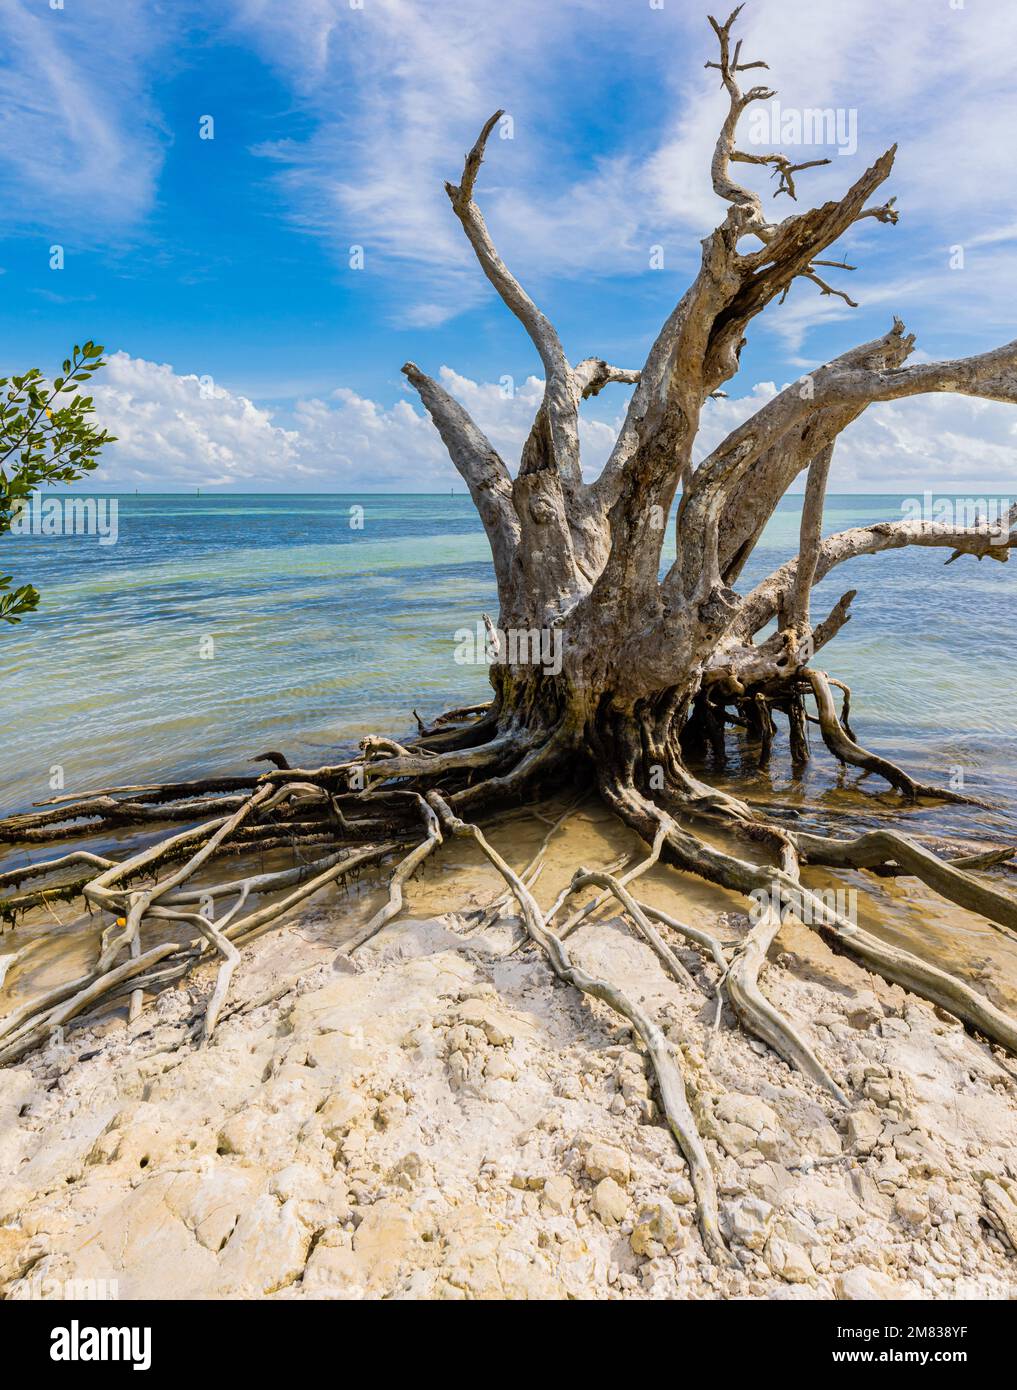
(647, 670)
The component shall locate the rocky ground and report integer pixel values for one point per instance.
(440, 1121)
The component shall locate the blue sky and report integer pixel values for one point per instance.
(248, 354)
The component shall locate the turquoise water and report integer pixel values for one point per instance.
(322, 633)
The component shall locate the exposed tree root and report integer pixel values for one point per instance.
(842, 745)
(231, 959)
(705, 940)
(302, 808)
(30, 1024)
(582, 913)
(650, 935)
(881, 848)
(157, 791)
(774, 883)
(14, 876)
(111, 811)
(665, 1066)
(741, 975)
(755, 1011)
(403, 872)
(645, 671)
(490, 914)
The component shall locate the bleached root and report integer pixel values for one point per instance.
(656, 943)
(32, 1023)
(488, 915)
(669, 1079)
(740, 977)
(784, 890)
(706, 941)
(293, 807)
(580, 916)
(404, 871)
(431, 782)
(843, 746)
(231, 959)
(755, 1012)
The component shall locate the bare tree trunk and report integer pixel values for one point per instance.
(645, 671)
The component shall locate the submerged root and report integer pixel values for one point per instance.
(404, 871)
(370, 809)
(842, 745)
(288, 807)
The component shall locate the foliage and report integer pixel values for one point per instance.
(48, 435)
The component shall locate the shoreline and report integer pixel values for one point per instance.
(433, 1120)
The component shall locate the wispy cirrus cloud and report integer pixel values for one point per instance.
(613, 122)
(81, 138)
(398, 91)
(614, 119)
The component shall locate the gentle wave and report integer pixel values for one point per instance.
(322, 632)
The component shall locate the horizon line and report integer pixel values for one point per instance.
(463, 493)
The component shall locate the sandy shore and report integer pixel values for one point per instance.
(440, 1120)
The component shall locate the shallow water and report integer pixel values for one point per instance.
(62, 942)
(321, 633)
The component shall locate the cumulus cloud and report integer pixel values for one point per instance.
(946, 443)
(174, 429)
(941, 442)
(182, 430)
(178, 430)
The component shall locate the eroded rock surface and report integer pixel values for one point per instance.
(442, 1123)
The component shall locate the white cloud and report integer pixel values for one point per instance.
(417, 82)
(177, 430)
(182, 430)
(173, 429)
(393, 93)
(416, 85)
(80, 140)
(943, 442)
(946, 443)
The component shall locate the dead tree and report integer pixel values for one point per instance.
(648, 666)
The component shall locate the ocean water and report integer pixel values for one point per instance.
(216, 627)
